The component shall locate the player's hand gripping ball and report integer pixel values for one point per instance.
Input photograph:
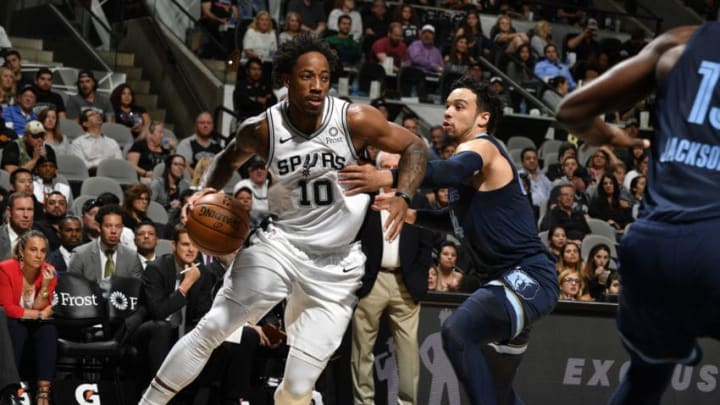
(218, 224)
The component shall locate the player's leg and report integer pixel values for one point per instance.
(248, 293)
(404, 314)
(301, 372)
(317, 315)
(365, 326)
(644, 383)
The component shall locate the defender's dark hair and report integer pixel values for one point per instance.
(289, 52)
(487, 100)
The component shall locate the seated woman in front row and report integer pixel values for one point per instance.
(27, 283)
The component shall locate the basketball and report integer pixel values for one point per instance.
(218, 224)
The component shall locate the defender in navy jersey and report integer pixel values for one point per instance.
(307, 254)
(490, 213)
(669, 258)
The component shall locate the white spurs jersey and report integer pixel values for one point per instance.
(305, 196)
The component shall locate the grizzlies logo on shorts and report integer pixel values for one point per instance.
(520, 282)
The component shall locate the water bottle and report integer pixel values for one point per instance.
(523, 107)
(355, 88)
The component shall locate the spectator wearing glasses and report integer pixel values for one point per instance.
(27, 151)
(94, 146)
(571, 285)
(166, 189)
(70, 237)
(135, 204)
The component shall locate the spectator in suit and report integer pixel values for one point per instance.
(99, 260)
(146, 241)
(175, 301)
(20, 219)
(46, 98)
(27, 283)
(94, 146)
(396, 276)
(70, 237)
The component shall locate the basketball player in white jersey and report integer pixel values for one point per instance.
(308, 254)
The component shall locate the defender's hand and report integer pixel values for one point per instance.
(363, 179)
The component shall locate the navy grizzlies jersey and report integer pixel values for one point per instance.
(499, 224)
(684, 171)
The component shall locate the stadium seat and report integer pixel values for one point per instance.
(164, 246)
(119, 170)
(94, 186)
(5, 180)
(120, 133)
(549, 146)
(600, 227)
(72, 167)
(157, 213)
(158, 170)
(520, 142)
(70, 128)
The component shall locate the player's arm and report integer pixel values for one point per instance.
(369, 127)
(250, 139)
(619, 89)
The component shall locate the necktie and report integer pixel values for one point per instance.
(109, 264)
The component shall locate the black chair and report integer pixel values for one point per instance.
(92, 327)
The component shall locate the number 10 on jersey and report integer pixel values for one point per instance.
(318, 192)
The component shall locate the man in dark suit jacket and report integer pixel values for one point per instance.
(175, 301)
(70, 237)
(100, 259)
(395, 279)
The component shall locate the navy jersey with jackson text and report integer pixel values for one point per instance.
(684, 171)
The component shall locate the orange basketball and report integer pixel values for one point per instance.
(218, 224)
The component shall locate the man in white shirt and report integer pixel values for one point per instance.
(93, 146)
(146, 241)
(539, 183)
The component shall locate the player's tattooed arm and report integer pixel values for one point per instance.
(250, 139)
